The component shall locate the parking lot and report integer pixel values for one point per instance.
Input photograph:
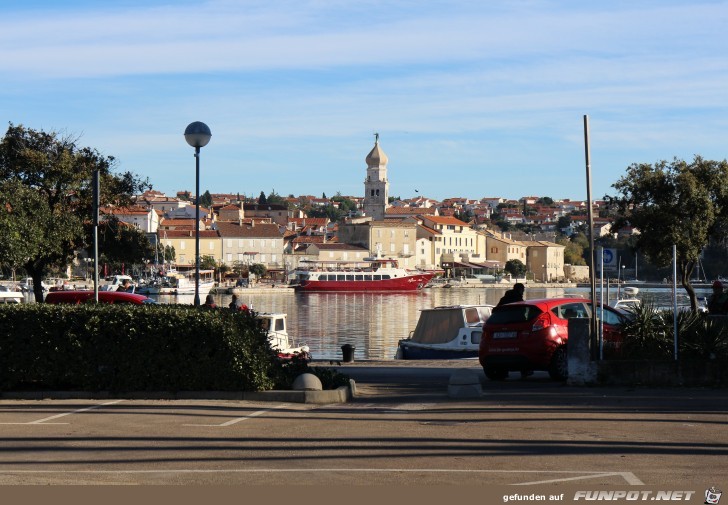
(400, 429)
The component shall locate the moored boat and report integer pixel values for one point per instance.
(448, 332)
(275, 325)
(372, 274)
(175, 283)
(10, 295)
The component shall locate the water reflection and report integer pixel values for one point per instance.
(374, 322)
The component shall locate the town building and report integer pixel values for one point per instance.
(250, 243)
(183, 242)
(545, 260)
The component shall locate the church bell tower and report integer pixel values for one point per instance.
(376, 185)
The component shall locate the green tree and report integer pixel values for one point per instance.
(573, 250)
(262, 200)
(208, 263)
(258, 269)
(46, 198)
(516, 268)
(121, 243)
(274, 198)
(206, 199)
(673, 203)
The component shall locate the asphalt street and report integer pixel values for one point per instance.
(402, 428)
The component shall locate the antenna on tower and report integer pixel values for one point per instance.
(376, 138)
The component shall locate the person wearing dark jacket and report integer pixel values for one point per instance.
(513, 295)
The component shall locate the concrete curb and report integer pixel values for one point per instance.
(340, 395)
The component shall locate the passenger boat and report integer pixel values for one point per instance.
(451, 332)
(275, 325)
(371, 274)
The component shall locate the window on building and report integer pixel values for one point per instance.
(182, 245)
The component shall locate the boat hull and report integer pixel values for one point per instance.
(413, 351)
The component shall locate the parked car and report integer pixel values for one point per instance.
(77, 297)
(532, 335)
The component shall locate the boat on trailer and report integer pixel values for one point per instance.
(446, 332)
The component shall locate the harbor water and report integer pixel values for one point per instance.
(374, 322)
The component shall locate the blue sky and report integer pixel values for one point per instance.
(470, 98)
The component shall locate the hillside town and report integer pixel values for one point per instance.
(420, 233)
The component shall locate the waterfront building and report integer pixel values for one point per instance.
(388, 239)
(453, 241)
(502, 248)
(183, 242)
(545, 260)
(336, 252)
(251, 242)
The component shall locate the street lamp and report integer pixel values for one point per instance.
(197, 135)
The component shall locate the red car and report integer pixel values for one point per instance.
(76, 297)
(532, 335)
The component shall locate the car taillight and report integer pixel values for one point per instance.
(541, 322)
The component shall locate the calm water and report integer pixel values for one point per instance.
(374, 322)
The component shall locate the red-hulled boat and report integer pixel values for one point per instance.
(375, 274)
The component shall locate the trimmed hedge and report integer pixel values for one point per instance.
(122, 348)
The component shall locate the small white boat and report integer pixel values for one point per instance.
(452, 332)
(275, 325)
(8, 295)
(114, 282)
(627, 303)
(175, 283)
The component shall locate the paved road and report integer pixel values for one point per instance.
(402, 428)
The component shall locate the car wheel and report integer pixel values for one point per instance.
(495, 374)
(559, 368)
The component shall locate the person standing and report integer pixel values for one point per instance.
(718, 301)
(209, 303)
(513, 295)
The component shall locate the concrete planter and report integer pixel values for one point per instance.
(693, 372)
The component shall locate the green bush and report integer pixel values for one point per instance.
(650, 335)
(133, 348)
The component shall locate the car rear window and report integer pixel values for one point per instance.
(506, 314)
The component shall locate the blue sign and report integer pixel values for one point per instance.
(609, 260)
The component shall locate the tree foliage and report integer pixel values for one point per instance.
(673, 203)
(206, 199)
(516, 268)
(122, 243)
(46, 198)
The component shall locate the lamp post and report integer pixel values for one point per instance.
(197, 135)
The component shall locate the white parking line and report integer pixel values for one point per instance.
(239, 419)
(629, 477)
(43, 421)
